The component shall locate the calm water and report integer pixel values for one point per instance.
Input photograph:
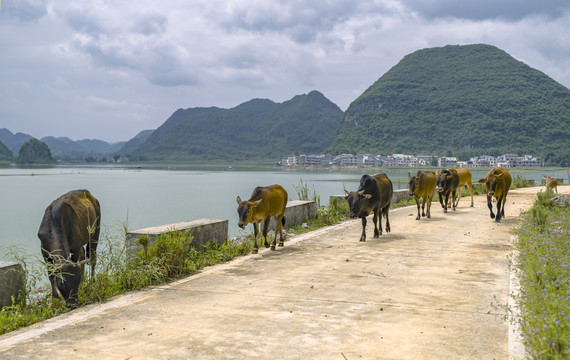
(143, 198)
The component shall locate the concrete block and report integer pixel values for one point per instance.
(202, 230)
(296, 212)
(11, 282)
(397, 195)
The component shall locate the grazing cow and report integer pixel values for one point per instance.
(422, 185)
(464, 179)
(374, 194)
(264, 203)
(69, 230)
(447, 182)
(551, 184)
(497, 183)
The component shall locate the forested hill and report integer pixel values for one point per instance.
(257, 129)
(460, 100)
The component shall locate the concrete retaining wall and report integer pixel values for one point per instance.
(202, 230)
(397, 195)
(296, 213)
(11, 282)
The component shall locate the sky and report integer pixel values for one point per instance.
(110, 69)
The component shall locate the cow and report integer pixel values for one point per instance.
(69, 230)
(422, 185)
(497, 183)
(374, 194)
(447, 182)
(551, 183)
(264, 203)
(464, 180)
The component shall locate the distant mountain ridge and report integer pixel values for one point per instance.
(62, 148)
(461, 100)
(257, 129)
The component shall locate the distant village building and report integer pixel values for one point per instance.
(403, 160)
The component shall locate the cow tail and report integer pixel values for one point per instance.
(283, 221)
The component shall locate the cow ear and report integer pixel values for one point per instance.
(256, 203)
(367, 196)
(481, 181)
(361, 192)
(238, 199)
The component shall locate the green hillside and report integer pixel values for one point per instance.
(257, 129)
(460, 100)
(5, 153)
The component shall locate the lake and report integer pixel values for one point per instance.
(140, 197)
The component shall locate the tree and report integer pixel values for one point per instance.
(35, 152)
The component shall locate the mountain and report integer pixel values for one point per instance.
(460, 100)
(132, 144)
(5, 153)
(62, 148)
(13, 141)
(257, 129)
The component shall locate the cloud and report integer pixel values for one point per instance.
(23, 10)
(510, 10)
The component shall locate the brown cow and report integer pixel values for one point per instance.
(69, 230)
(464, 179)
(422, 185)
(551, 184)
(264, 203)
(497, 183)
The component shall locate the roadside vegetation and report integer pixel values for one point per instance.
(544, 271)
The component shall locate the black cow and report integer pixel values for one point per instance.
(447, 184)
(373, 194)
(70, 229)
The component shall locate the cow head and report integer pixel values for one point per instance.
(355, 202)
(413, 181)
(443, 179)
(246, 211)
(491, 181)
(67, 279)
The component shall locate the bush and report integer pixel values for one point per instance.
(543, 266)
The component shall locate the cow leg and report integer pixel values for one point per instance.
(441, 200)
(255, 232)
(470, 186)
(423, 207)
(490, 206)
(499, 203)
(265, 230)
(453, 198)
(418, 205)
(385, 212)
(363, 236)
(428, 214)
(280, 227)
(376, 219)
(446, 202)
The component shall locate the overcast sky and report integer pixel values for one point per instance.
(109, 69)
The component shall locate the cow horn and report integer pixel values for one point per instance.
(347, 192)
(84, 261)
(361, 192)
(238, 199)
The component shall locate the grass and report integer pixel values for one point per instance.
(170, 258)
(544, 272)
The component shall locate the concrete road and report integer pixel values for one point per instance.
(431, 289)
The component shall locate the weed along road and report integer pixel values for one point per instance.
(431, 289)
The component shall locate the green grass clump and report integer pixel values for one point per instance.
(171, 257)
(544, 271)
